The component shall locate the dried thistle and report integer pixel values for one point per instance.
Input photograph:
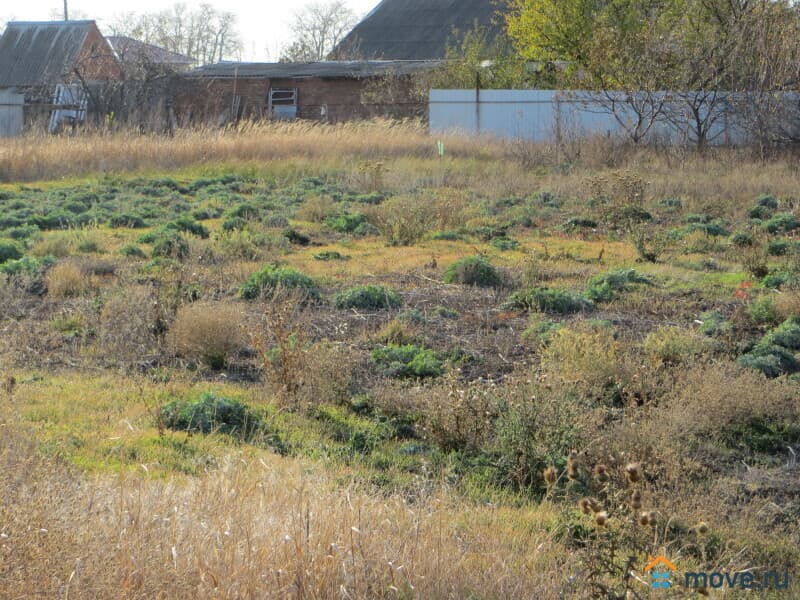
(585, 504)
(633, 471)
(572, 465)
(550, 476)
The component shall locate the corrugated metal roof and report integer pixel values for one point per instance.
(40, 53)
(417, 29)
(132, 50)
(325, 69)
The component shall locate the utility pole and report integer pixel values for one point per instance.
(66, 14)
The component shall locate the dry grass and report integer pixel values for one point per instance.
(207, 332)
(31, 157)
(267, 528)
(67, 280)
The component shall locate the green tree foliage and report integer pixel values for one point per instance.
(477, 60)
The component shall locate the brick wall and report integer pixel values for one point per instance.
(96, 61)
(331, 100)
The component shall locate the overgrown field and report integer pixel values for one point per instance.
(324, 362)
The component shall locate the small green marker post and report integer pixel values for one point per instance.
(440, 148)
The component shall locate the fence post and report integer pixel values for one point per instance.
(478, 102)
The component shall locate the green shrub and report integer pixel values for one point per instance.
(370, 198)
(547, 300)
(487, 234)
(760, 434)
(211, 414)
(272, 277)
(331, 255)
(760, 212)
(27, 265)
(540, 329)
(604, 287)
(202, 214)
(742, 239)
(504, 243)
(407, 361)
(787, 335)
(234, 224)
(360, 434)
(52, 220)
(447, 236)
(714, 324)
(413, 315)
(297, 238)
(767, 201)
(367, 297)
(446, 313)
(276, 221)
(132, 251)
(473, 270)
(713, 229)
(622, 216)
(671, 203)
(346, 222)
(170, 243)
(776, 280)
(777, 247)
(188, 225)
(22, 233)
(244, 211)
(773, 354)
(9, 250)
(576, 223)
(772, 361)
(532, 435)
(782, 222)
(88, 244)
(128, 220)
(762, 311)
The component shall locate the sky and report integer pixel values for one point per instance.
(263, 24)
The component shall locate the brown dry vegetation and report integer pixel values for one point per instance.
(438, 446)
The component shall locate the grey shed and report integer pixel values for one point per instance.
(417, 29)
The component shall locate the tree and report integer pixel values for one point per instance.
(317, 29)
(551, 30)
(676, 61)
(477, 60)
(203, 33)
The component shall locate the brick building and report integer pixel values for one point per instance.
(329, 91)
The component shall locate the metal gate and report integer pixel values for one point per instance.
(11, 113)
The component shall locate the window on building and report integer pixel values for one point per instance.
(282, 103)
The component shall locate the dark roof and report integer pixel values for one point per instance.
(417, 29)
(40, 53)
(131, 50)
(343, 69)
